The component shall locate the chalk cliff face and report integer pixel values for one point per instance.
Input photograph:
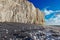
(20, 11)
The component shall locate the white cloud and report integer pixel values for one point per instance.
(57, 11)
(54, 21)
(57, 19)
(47, 12)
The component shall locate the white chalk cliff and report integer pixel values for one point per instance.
(20, 11)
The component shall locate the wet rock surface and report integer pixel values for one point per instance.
(21, 31)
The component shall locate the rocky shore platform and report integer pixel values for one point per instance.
(22, 31)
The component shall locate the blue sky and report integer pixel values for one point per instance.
(51, 9)
(55, 4)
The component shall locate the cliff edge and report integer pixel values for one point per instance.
(20, 11)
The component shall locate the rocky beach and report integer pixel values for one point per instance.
(21, 31)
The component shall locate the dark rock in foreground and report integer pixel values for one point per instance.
(21, 31)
